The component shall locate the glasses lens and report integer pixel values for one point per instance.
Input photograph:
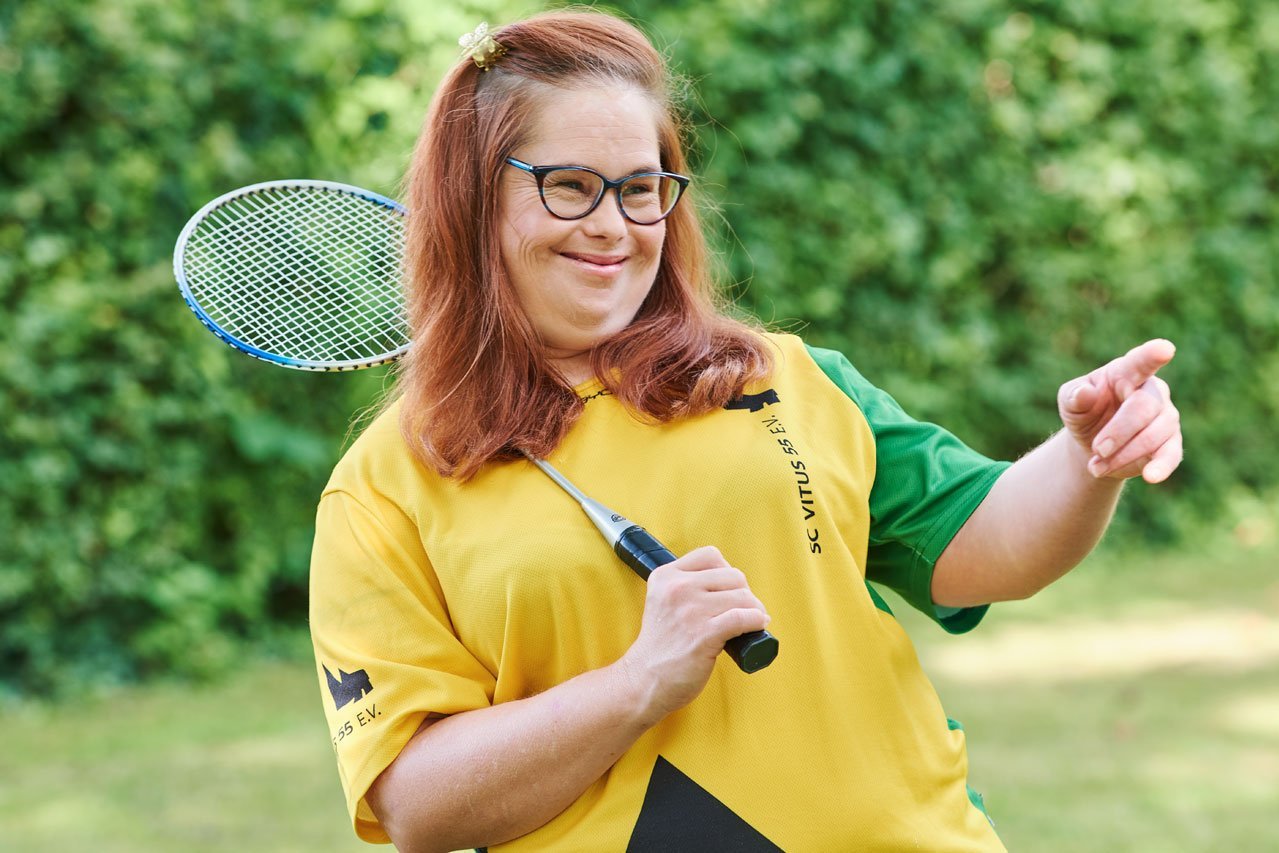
(570, 192)
(647, 198)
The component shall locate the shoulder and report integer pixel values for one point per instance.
(379, 465)
(817, 367)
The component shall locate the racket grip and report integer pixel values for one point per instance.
(643, 553)
(639, 550)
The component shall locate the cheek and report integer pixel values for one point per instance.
(525, 244)
(524, 226)
(651, 244)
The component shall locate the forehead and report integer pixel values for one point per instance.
(612, 128)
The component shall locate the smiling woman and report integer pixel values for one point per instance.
(493, 266)
(524, 691)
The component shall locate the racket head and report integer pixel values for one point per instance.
(299, 273)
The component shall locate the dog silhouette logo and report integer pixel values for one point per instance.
(348, 686)
(754, 402)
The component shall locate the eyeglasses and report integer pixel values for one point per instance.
(572, 192)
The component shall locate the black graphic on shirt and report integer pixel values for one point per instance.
(754, 402)
(348, 686)
(679, 814)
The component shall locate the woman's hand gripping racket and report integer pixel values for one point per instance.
(306, 274)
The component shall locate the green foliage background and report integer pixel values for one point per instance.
(980, 200)
(976, 200)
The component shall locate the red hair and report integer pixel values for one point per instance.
(476, 384)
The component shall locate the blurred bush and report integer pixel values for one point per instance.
(980, 200)
(976, 201)
(157, 490)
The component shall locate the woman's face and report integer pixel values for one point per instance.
(582, 280)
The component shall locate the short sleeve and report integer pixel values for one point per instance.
(386, 654)
(927, 484)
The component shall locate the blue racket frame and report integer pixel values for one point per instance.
(179, 253)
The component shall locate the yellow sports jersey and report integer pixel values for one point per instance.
(432, 596)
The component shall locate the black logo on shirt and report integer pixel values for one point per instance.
(348, 686)
(754, 402)
(679, 814)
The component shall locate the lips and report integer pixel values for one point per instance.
(606, 267)
(597, 260)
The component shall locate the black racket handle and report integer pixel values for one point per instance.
(643, 553)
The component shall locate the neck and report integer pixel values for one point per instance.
(574, 367)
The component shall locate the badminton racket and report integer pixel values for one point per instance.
(306, 274)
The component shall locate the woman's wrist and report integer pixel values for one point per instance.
(637, 693)
(1078, 457)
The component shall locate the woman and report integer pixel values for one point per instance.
(493, 675)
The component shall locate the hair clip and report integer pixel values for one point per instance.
(481, 47)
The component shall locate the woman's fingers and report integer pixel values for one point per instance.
(1165, 461)
(1145, 408)
(1158, 438)
(700, 559)
(702, 591)
(734, 623)
(1106, 408)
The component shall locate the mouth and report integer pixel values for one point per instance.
(600, 264)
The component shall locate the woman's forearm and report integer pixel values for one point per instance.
(493, 774)
(1041, 518)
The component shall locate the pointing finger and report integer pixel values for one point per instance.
(1131, 370)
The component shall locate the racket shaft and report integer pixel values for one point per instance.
(640, 550)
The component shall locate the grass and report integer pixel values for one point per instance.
(242, 765)
(1132, 707)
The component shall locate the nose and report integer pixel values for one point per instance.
(606, 220)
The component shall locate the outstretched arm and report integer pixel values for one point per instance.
(1050, 508)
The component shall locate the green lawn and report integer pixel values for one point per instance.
(245, 765)
(1133, 707)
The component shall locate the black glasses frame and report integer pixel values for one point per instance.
(540, 173)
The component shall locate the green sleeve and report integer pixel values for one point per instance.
(927, 484)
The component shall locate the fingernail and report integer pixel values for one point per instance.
(1106, 448)
(1096, 467)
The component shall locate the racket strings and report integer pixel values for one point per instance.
(329, 321)
(272, 323)
(307, 273)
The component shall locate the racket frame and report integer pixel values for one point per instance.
(179, 255)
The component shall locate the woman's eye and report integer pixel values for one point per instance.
(567, 185)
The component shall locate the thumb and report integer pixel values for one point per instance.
(1076, 400)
